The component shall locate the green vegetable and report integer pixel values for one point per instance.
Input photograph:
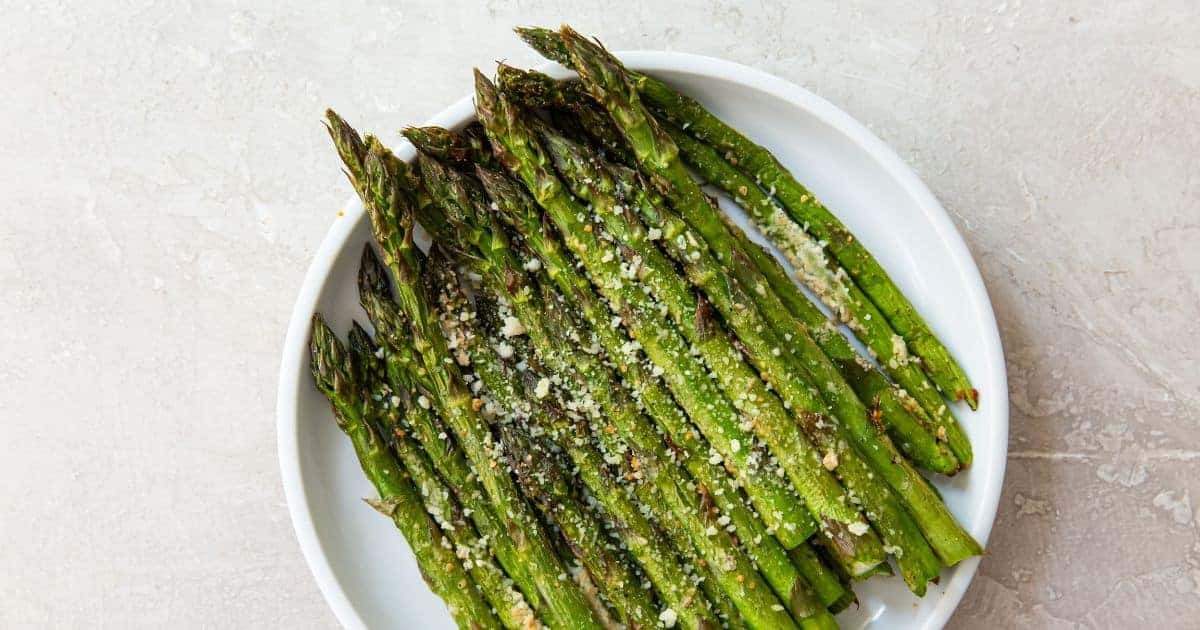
(399, 499)
(507, 602)
(390, 209)
(669, 499)
(515, 146)
(914, 429)
(684, 373)
(510, 540)
(658, 155)
(786, 307)
(514, 205)
(803, 208)
(547, 486)
(598, 184)
(463, 149)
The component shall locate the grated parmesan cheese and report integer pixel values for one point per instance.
(512, 327)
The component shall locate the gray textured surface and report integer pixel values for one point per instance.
(165, 182)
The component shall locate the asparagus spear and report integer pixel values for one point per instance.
(596, 182)
(803, 208)
(391, 210)
(507, 602)
(606, 80)
(833, 593)
(671, 500)
(785, 304)
(806, 256)
(548, 489)
(399, 499)
(760, 544)
(513, 142)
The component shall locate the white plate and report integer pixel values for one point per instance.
(363, 565)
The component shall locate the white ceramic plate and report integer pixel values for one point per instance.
(363, 565)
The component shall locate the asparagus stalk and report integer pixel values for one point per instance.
(513, 142)
(657, 153)
(805, 255)
(763, 548)
(785, 307)
(399, 499)
(507, 602)
(391, 210)
(596, 183)
(803, 208)
(548, 489)
(833, 593)
(671, 501)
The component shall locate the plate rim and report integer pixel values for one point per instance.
(295, 342)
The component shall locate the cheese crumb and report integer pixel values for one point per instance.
(654, 234)
(735, 445)
(533, 264)
(512, 327)
(543, 388)
(668, 617)
(830, 460)
(504, 350)
(423, 401)
(859, 528)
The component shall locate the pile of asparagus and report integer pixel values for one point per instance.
(596, 402)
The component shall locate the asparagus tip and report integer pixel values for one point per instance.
(424, 138)
(329, 362)
(486, 96)
(545, 41)
(362, 349)
(373, 278)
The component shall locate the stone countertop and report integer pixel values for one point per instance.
(166, 181)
